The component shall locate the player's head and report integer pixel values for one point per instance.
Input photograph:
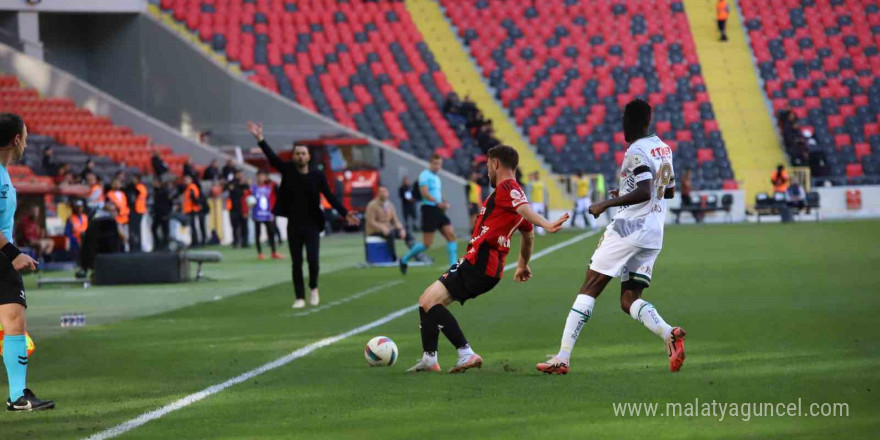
(35, 211)
(135, 178)
(382, 193)
(262, 177)
(636, 120)
(116, 183)
(187, 179)
(435, 163)
(13, 134)
(78, 206)
(780, 168)
(301, 156)
(501, 158)
(91, 178)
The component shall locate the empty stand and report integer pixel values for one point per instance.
(364, 64)
(70, 125)
(819, 58)
(564, 69)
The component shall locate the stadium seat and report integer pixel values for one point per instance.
(564, 70)
(827, 73)
(362, 63)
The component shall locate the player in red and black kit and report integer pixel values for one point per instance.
(504, 212)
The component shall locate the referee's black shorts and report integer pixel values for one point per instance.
(464, 281)
(11, 284)
(433, 218)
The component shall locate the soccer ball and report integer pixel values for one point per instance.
(381, 351)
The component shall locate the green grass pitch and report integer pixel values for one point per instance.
(774, 313)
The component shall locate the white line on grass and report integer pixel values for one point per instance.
(355, 296)
(282, 361)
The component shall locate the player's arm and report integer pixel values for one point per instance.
(20, 261)
(641, 194)
(256, 130)
(525, 210)
(350, 217)
(527, 244)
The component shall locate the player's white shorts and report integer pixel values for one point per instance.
(617, 257)
(582, 204)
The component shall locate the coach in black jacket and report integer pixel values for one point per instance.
(299, 199)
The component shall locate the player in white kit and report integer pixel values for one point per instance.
(631, 242)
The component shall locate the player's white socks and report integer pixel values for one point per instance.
(580, 313)
(645, 313)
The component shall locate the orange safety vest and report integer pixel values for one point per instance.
(780, 184)
(79, 225)
(140, 203)
(190, 199)
(118, 199)
(722, 10)
(96, 193)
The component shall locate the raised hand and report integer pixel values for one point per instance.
(256, 129)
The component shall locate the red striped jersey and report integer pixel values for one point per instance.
(498, 220)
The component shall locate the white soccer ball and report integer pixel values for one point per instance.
(251, 201)
(381, 351)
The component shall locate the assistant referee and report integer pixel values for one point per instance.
(299, 200)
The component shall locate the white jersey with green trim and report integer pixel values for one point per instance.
(642, 224)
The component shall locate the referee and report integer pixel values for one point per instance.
(13, 302)
(299, 200)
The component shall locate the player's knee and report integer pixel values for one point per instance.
(426, 302)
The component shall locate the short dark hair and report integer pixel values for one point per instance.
(435, 156)
(506, 155)
(636, 117)
(11, 125)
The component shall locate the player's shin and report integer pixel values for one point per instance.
(452, 251)
(430, 334)
(450, 327)
(15, 359)
(578, 316)
(645, 313)
(415, 250)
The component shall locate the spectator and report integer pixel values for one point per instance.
(582, 201)
(228, 171)
(160, 168)
(189, 169)
(118, 198)
(238, 190)
(779, 179)
(797, 197)
(103, 236)
(49, 168)
(407, 203)
(163, 196)
(538, 196)
(264, 199)
(96, 193)
(687, 203)
(89, 167)
(212, 172)
(722, 11)
(191, 208)
(382, 220)
(139, 202)
(75, 228)
(32, 233)
(61, 173)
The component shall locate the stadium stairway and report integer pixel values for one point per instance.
(740, 108)
(464, 78)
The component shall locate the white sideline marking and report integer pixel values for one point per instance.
(282, 361)
(355, 296)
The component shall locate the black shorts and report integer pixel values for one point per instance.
(464, 281)
(473, 208)
(433, 218)
(11, 284)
